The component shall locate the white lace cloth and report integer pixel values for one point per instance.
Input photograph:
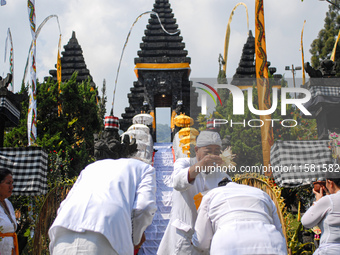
(143, 139)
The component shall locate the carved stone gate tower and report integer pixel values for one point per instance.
(162, 68)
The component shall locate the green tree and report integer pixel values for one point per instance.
(321, 48)
(102, 104)
(245, 141)
(67, 132)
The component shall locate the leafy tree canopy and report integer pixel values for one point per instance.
(69, 132)
(322, 47)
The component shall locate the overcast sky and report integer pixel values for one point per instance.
(101, 28)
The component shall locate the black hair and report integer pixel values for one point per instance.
(3, 173)
(334, 177)
(336, 181)
(224, 182)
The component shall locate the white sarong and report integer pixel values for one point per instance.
(87, 243)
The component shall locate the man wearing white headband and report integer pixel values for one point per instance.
(190, 177)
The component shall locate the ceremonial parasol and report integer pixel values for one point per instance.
(187, 139)
(183, 121)
(142, 118)
(186, 147)
(141, 127)
(188, 131)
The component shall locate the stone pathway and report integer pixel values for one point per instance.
(163, 163)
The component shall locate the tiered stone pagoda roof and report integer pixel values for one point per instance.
(246, 72)
(161, 50)
(72, 60)
(158, 46)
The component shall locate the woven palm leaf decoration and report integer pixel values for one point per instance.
(47, 215)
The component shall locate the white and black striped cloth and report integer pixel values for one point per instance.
(324, 91)
(29, 168)
(296, 163)
(9, 110)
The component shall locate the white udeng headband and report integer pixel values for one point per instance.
(206, 138)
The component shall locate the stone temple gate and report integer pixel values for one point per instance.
(162, 70)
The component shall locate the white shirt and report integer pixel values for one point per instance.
(325, 213)
(238, 219)
(177, 236)
(6, 244)
(113, 197)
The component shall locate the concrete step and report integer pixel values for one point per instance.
(163, 163)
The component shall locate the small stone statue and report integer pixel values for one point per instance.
(108, 145)
(327, 68)
(145, 107)
(5, 82)
(179, 107)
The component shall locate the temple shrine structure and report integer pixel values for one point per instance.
(72, 60)
(245, 75)
(162, 70)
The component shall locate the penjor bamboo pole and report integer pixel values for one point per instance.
(263, 86)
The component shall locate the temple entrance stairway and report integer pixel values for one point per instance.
(163, 163)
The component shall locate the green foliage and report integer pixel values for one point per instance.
(67, 136)
(296, 246)
(69, 132)
(321, 48)
(307, 128)
(202, 121)
(301, 194)
(17, 137)
(102, 105)
(244, 140)
(58, 168)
